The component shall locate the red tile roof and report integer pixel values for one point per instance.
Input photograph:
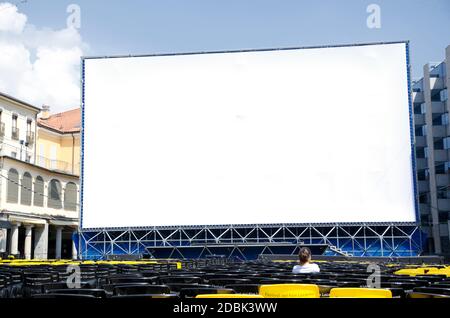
(65, 122)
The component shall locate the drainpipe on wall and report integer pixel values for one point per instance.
(73, 154)
(35, 136)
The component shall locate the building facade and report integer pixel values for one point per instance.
(39, 191)
(58, 141)
(432, 140)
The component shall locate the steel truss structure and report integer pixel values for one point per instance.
(250, 241)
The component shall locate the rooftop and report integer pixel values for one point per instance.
(65, 122)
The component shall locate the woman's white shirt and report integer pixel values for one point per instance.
(306, 268)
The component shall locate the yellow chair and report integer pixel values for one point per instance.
(289, 291)
(228, 296)
(360, 293)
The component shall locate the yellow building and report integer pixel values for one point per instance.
(58, 141)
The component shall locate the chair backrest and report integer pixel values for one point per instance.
(244, 288)
(98, 293)
(194, 291)
(289, 291)
(130, 289)
(433, 290)
(176, 287)
(360, 293)
(179, 279)
(228, 296)
(61, 296)
(425, 295)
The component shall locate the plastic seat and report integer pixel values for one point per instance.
(244, 288)
(136, 279)
(172, 295)
(226, 281)
(425, 295)
(289, 291)
(433, 290)
(180, 279)
(360, 293)
(53, 296)
(97, 293)
(176, 287)
(194, 291)
(130, 289)
(229, 296)
(48, 287)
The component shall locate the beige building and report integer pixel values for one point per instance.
(39, 181)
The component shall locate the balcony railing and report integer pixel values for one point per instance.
(30, 137)
(15, 133)
(57, 165)
(2, 129)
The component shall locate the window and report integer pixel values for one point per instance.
(435, 95)
(13, 186)
(14, 130)
(53, 157)
(446, 142)
(13, 154)
(421, 175)
(420, 153)
(445, 119)
(417, 108)
(54, 194)
(444, 95)
(29, 121)
(70, 197)
(26, 189)
(423, 108)
(439, 144)
(38, 192)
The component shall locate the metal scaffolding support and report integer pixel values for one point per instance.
(250, 241)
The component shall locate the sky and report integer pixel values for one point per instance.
(40, 50)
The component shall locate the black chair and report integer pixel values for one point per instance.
(97, 293)
(194, 291)
(72, 296)
(172, 295)
(415, 282)
(227, 281)
(179, 279)
(432, 290)
(121, 290)
(425, 295)
(49, 287)
(244, 288)
(176, 287)
(123, 280)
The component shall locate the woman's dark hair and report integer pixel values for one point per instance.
(304, 255)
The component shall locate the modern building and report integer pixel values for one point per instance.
(39, 195)
(432, 138)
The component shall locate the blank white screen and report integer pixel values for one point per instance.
(285, 136)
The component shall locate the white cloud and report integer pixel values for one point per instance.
(39, 65)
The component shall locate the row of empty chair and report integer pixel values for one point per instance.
(232, 280)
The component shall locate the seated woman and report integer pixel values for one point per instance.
(305, 265)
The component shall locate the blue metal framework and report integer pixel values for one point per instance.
(383, 239)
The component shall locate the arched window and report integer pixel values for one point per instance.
(70, 197)
(38, 192)
(54, 194)
(26, 189)
(13, 186)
